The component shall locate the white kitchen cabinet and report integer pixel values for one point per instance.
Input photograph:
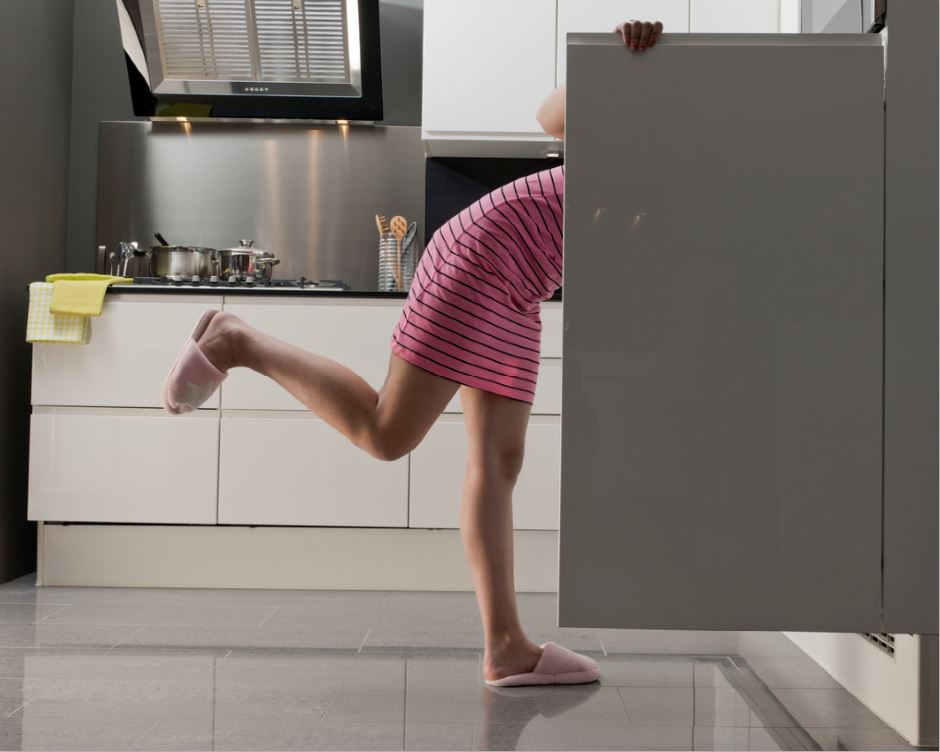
(599, 16)
(133, 345)
(437, 470)
(488, 65)
(734, 16)
(355, 332)
(90, 464)
(291, 468)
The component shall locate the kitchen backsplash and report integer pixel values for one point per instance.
(307, 193)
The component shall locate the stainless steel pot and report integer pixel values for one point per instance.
(184, 260)
(246, 261)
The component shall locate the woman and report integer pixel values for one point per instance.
(471, 321)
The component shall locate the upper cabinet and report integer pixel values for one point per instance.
(585, 16)
(489, 64)
(735, 16)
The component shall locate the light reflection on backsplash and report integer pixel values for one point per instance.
(306, 192)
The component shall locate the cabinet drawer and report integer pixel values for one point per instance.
(547, 390)
(437, 471)
(133, 346)
(352, 332)
(289, 468)
(117, 465)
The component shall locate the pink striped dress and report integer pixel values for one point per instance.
(472, 313)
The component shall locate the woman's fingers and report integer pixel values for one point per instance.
(639, 35)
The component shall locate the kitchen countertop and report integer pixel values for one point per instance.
(131, 289)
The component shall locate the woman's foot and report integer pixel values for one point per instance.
(221, 340)
(516, 657)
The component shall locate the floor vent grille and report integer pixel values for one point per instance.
(881, 640)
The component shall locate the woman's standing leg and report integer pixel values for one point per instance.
(496, 428)
(387, 423)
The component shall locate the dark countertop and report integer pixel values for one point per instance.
(277, 292)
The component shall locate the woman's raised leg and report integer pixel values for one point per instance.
(387, 423)
(496, 428)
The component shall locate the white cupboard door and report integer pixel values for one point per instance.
(133, 345)
(600, 16)
(734, 16)
(122, 465)
(488, 65)
(356, 333)
(437, 471)
(547, 390)
(289, 468)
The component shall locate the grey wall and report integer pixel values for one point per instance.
(36, 60)
(100, 92)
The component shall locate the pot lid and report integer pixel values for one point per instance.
(247, 246)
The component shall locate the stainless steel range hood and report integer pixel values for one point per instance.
(254, 58)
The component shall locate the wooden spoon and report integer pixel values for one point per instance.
(380, 224)
(399, 227)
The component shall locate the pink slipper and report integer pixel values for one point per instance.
(192, 379)
(557, 665)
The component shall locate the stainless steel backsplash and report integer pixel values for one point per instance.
(308, 193)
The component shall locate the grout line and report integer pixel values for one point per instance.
(364, 640)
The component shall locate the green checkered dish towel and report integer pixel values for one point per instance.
(43, 326)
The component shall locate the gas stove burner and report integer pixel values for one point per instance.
(178, 281)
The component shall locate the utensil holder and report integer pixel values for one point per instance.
(388, 263)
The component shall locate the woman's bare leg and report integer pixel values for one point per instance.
(387, 423)
(496, 428)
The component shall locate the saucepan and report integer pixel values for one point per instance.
(185, 260)
(246, 261)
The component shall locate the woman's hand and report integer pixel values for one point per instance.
(638, 35)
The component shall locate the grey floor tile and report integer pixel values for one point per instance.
(724, 706)
(554, 735)
(659, 706)
(792, 673)
(753, 645)
(574, 703)
(62, 635)
(86, 732)
(163, 614)
(27, 613)
(619, 670)
(252, 734)
(833, 708)
(859, 739)
(122, 698)
(239, 637)
(671, 641)
(743, 738)
(391, 637)
(184, 734)
(439, 736)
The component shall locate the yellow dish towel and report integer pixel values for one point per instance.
(81, 294)
(44, 326)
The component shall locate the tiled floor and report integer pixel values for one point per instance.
(160, 669)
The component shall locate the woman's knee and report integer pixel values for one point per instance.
(384, 445)
(496, 464)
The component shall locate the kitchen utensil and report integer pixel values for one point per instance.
(246, 261)
(384, 223)
(399, 227)
(410, 235)
(159, 237)
(183, 260)
(380, 225)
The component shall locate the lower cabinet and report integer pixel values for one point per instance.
(96, 464)
(437, 471)
(291, 468)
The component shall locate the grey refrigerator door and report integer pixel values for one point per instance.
(722, 354)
